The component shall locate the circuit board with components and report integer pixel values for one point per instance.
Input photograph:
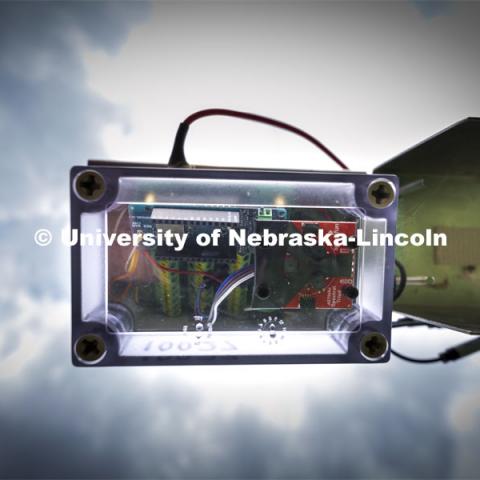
(180, 286)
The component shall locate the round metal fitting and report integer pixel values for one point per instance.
(373, 346)
(90, 349)
(89, 186)
(381, 193)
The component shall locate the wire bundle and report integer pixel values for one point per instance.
(226, 287)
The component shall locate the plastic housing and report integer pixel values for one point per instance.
(148, 311)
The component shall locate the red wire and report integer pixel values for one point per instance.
(269, 121)
(180, 272)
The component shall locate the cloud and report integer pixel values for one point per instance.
(433, 8)
(105, 423)
(355, 421)
(370, 79)
(49, 120)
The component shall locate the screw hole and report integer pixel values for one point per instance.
(263, 292)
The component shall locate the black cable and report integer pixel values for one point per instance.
(398, 289)
(415, 360)
(410, 322)
(407, 322)
(177, 157)
(451, 354)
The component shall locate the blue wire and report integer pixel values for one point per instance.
(223, 286)
(232, 277)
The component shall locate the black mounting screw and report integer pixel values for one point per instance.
(350, 291)
(373, 346)
(89, 185)
(381, 193)
(90, 349)
(352, 242)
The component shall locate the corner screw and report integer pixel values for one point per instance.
(373, 346)
(89, 185)
(90, 349)
(381, 193)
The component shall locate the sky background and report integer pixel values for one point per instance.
(113, 80)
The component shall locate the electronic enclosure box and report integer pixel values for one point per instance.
(214, 284)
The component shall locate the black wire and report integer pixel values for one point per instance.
(415, 360)
(410, 322)
(398, 289)
(177, 157)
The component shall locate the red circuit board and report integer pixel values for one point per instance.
(331, 295)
